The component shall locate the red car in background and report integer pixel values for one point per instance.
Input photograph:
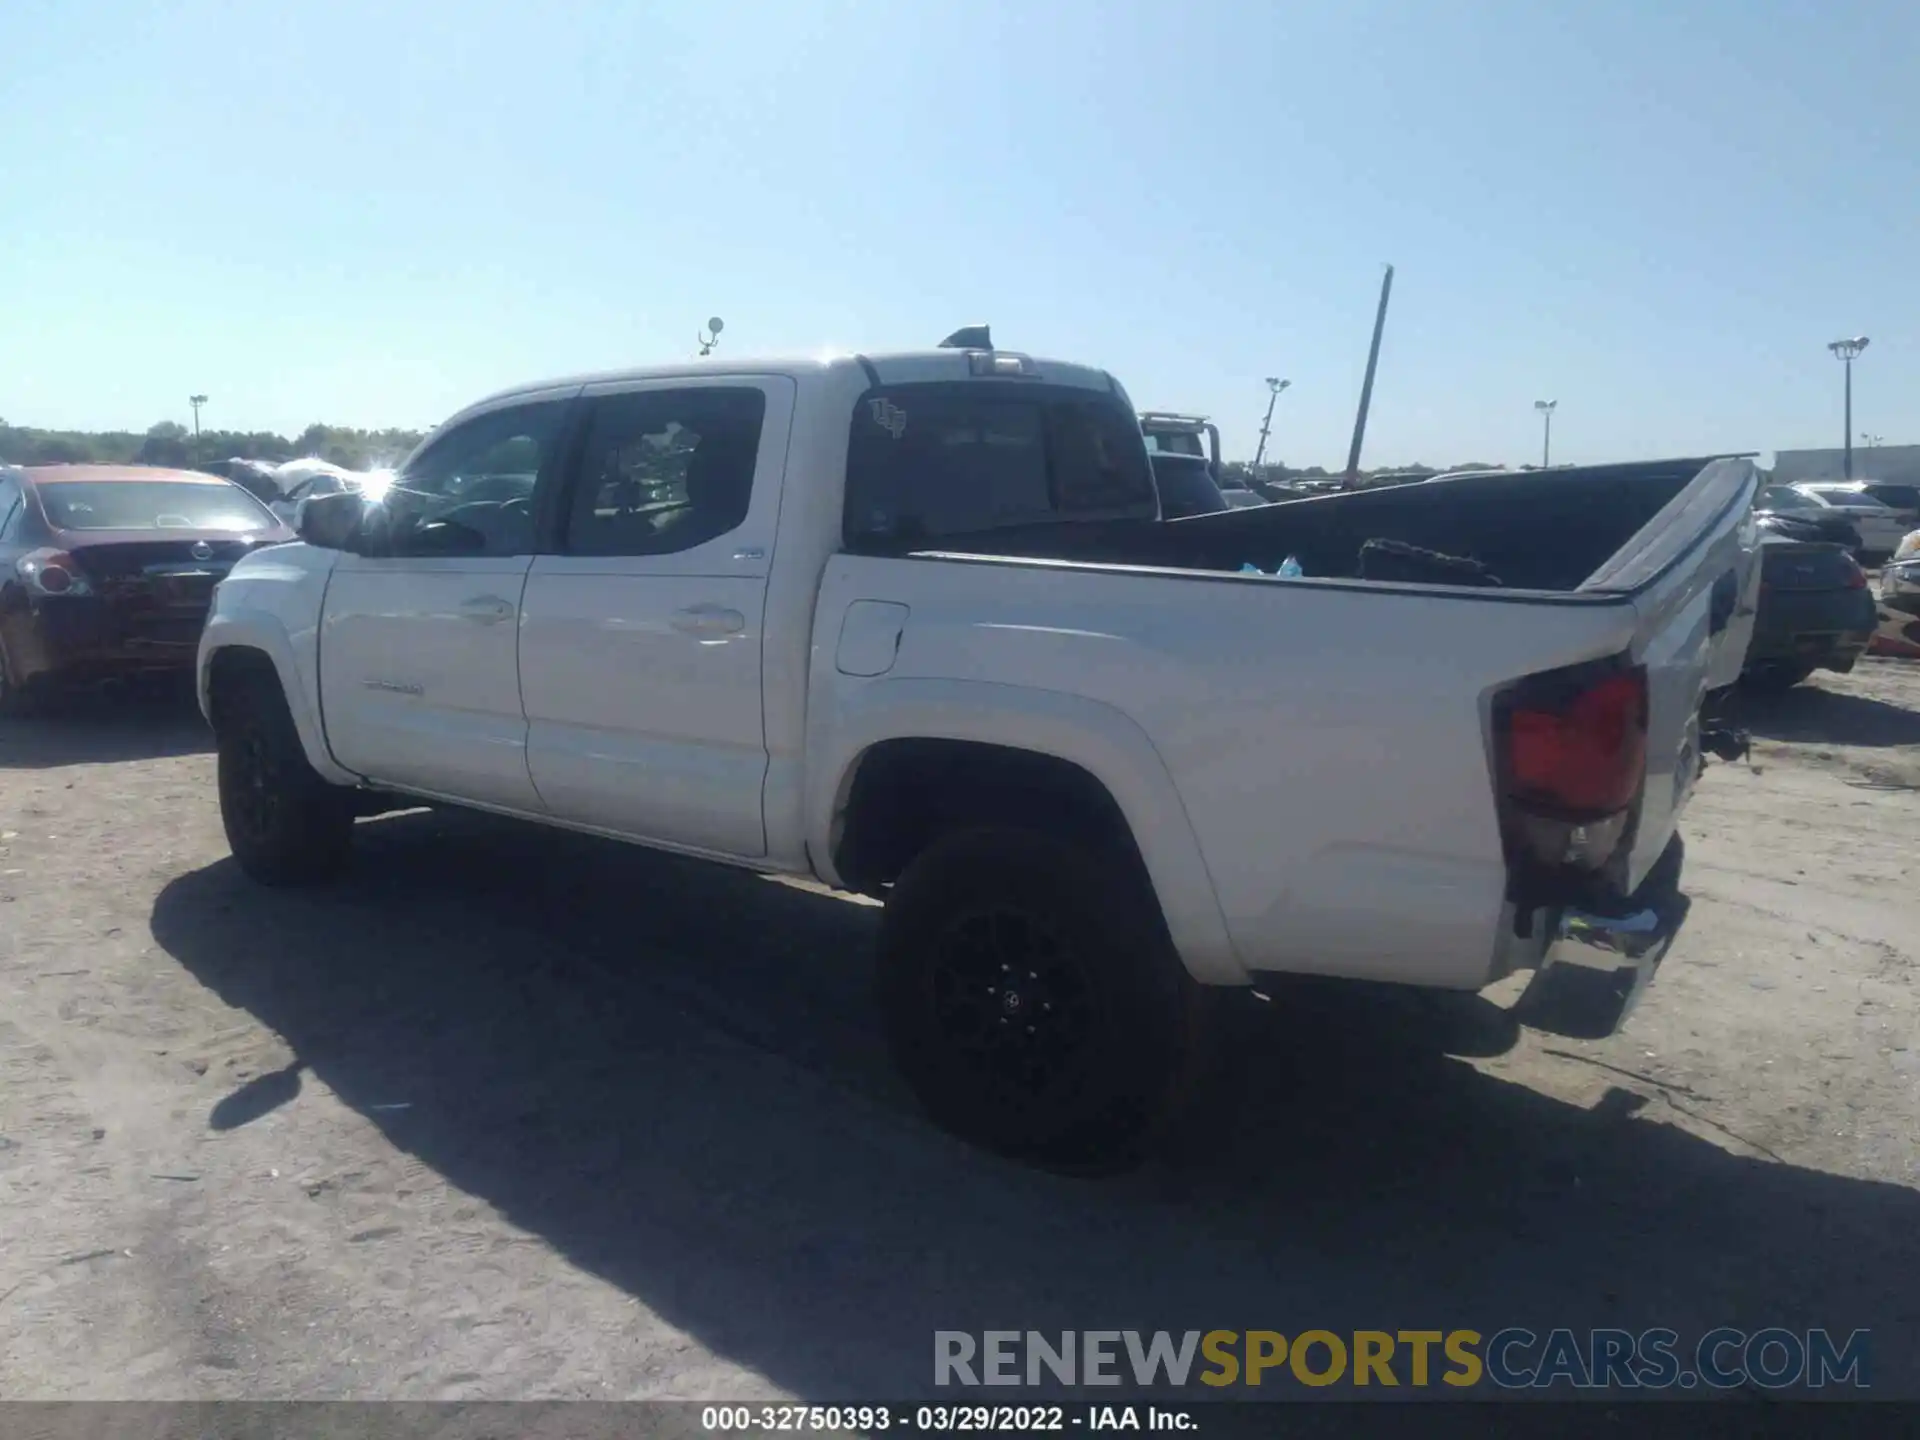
(107, 571)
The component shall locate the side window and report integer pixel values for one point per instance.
(939, 460)
(11, 503)
(471, 491)
(662, 471)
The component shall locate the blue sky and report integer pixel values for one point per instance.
(1655, 211)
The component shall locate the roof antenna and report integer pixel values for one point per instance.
(969, 337)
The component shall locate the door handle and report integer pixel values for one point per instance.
(708, 621)
(487, 610)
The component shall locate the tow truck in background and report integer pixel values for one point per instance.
(1171, 434)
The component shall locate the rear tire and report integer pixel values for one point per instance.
(284, 823)
(1775, 676)
(1034, 1002)
(16, 700)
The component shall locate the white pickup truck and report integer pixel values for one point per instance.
(913, 624)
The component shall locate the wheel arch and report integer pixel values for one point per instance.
(1090, 763)
(255, 642)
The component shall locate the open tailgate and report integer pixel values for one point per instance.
(1693, 574)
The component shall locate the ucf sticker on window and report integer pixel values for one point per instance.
(888, 416)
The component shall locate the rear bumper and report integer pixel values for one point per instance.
(1597, 967)
(80, 639)
(1827, 629)
(1900, 588)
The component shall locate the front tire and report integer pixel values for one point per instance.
(1033, 1001)
(284, 823)
(16, 701)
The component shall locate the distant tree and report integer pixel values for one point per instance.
(170, 443)
(167, 443)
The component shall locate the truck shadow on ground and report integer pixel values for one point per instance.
(673, 1075)
(104, 728)
(1810, 714)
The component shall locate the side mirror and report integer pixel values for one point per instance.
(331, 522)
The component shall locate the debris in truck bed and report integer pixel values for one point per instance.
(1392, 560)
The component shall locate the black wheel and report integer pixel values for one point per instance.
(1775, 675)
(1034, 1002)
(15, 698)
(284, 824)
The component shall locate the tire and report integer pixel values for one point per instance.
(1774, 676)
(285, 825)
(14, 700)
(17, 701)
(1114, 1044)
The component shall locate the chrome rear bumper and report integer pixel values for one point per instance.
(1598, 966)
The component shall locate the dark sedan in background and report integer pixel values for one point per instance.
(1815, 612)
(107, 572)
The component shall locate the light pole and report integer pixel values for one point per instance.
(1546, 409)
(1872, 442)
(1847, 351)
(711, 337)
(196, 401)
(1274, 387)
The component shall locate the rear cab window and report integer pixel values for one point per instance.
(932, 464)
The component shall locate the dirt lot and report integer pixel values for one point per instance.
(511, 1115)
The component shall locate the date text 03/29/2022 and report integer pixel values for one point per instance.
(962, 1419)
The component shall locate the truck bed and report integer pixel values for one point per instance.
(1540, 531)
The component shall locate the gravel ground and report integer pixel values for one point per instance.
(511, 1114)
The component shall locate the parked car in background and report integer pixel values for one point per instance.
(106, 572)
(1880, 525)
(1815, 613)
(256, 477)
(1274, 490)
(1238, 494)
(1903, 500)
(1801, 517)
(1186, 486)
(302, 485)
(1900, 577)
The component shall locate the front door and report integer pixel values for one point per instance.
(419, 666)
(641, 637)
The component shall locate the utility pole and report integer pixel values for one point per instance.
(1274, 387)
(1366, 387)
(1847, 351)
(196, 401)
(1546, 409)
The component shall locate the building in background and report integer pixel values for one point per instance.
(1899, 464)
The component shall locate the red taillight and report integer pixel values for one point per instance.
(1856, 577)
(52, 572)
(1583, 755)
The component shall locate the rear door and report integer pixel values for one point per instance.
(641, 642)
(1692, 571)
